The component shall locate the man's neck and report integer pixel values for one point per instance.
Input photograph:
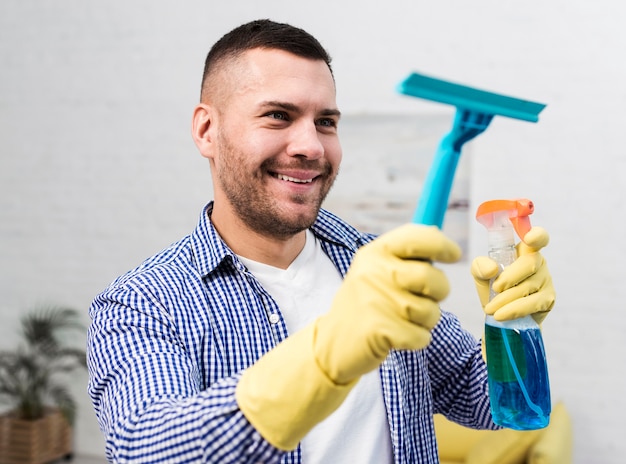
(263, 248)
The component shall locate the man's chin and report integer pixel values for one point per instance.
(294, 220)
(280, 219)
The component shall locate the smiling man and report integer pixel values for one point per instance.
(275, 332)
(268, 125)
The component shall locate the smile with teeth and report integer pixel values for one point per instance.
(293, 179)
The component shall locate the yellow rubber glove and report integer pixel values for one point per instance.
(388, 300)
(523, 288)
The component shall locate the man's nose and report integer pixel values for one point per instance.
(305, 141)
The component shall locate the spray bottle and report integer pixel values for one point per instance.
(519, 389)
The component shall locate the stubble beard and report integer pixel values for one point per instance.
(257, 209)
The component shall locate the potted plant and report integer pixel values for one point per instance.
(33, 387)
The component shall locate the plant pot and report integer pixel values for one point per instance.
(35, 441)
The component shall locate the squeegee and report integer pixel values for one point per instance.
(474, 111)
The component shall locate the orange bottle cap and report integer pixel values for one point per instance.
(518, 209)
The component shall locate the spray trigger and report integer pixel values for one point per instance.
(517, 211)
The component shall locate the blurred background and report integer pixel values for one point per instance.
(98, 170)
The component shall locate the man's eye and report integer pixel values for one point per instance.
(327, 122)
(279, 115)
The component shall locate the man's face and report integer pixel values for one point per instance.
(277, 150)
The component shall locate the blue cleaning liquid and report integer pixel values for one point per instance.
(519, 388)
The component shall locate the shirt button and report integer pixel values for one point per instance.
(274, 318)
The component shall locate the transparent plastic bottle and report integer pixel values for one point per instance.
(519, 387)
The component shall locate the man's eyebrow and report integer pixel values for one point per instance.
(331, 112)
(294, 108)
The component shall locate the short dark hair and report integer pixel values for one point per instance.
(264, 33)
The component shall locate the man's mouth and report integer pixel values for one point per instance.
(292, 179)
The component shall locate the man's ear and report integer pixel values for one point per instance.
(203, 128)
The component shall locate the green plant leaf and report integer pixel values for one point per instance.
(33, 376)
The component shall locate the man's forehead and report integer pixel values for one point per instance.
(274, 67)
(274, 58)
(274, 75)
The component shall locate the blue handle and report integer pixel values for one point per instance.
(433, 202)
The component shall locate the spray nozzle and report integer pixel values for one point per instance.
(498, 215)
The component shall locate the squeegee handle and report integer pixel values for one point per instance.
(433, 201)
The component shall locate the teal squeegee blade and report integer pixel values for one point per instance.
(462, 96)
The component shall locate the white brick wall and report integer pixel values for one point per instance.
(98, 171)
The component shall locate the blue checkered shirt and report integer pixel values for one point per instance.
(169, 340)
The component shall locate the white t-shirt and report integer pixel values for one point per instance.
(358, 431)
